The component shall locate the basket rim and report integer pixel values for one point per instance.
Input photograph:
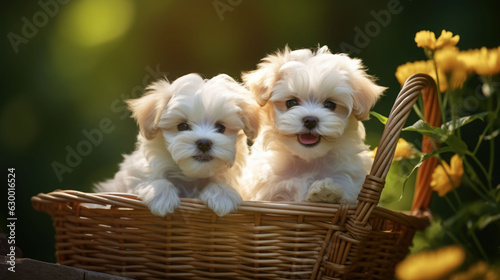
(417, 221)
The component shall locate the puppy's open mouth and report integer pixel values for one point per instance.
(308, 139)
(203, 158)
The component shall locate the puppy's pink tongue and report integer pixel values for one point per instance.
(308, 139)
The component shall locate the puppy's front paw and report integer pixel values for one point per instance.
(160, 196)
(325, 191)
(221, 198)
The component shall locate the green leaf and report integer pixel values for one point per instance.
(424, 157)
(457, 144)
(463, 121)
(441, 134)
(426, 129)
(381, 118)
(432, 237)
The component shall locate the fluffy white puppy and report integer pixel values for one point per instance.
(191, 144)
(312, 140)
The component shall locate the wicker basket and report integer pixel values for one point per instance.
(116, 233)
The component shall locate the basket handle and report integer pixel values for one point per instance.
(369, 195)
(423, 192)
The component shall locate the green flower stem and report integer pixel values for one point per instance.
(475, 189)
(481, 167)
(450, 204)
(455, 193)
(492, 158)
(489, 126)
(445, 100)
(478, 245)
(418, 111)
(492, 121)
(481, 137)
(457, 241)
(443, 117)
(454, 114)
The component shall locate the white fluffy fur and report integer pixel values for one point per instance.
(280, 167)
(163, 167)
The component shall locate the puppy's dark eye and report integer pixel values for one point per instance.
(292, 102)
(183, 127)
(330, 105)
(220, 128)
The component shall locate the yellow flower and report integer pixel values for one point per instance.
(372, 153)
(403, 149)
(482, 61)
(404, 71)
(447, 58)
(427, 40)
(431, 265)
(447, 39)
(442, 174)
(452, 71)
(448, 62)
(480, 270)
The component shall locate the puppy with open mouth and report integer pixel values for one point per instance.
(311, 146)
(191, 144)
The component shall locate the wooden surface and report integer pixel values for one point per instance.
(29, 269)
(32, 269)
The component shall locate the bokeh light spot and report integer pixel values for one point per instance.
(93, 22)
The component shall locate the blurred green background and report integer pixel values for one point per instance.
(67, 66)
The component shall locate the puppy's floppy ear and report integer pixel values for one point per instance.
(250, 116)
(261, 81)
(147, 109)
(366, 91)
(250, 111)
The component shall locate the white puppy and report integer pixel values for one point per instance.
(191, 144)
(312, 141)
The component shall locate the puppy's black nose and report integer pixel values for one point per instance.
(204, 145)
(310, 122)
